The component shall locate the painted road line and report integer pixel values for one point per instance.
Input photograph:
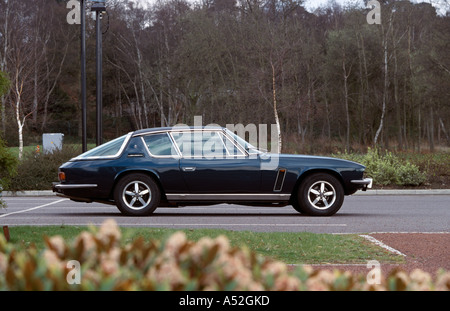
(381, 244)
(178, 225)
(32, 208)
(252, 225)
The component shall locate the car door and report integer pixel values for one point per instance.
(213, 164)
(165, 161)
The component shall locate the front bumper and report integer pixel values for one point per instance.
(365, 183)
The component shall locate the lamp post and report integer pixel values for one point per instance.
(99, 7)
(83, 74)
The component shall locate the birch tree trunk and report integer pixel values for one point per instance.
(386, 79)
(275, 111)
(346, 75)
(20, 122)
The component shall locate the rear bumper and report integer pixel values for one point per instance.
(75, 192)
(364, 184)
(56, 187)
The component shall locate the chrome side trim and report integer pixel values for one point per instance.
(228, 197)
(75, 186)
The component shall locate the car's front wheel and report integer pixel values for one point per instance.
(137, 195)
(320, 194)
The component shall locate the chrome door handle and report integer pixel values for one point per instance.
(188, 169)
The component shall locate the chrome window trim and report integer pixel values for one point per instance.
(228, 133)
(223, 143)
(109, 157)
(177, 129)
(175, 144)
(217, 131)
(220, 131)
(150, 133)
(241, 150)
(161, 156)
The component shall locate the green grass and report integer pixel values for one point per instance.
(27, 149)
(291, 248)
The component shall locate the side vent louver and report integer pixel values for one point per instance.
(280, 179)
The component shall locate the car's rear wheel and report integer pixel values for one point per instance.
(137, 195)
(320, 194)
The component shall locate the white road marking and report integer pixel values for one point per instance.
(381, 244)
(32, 209)
(338, 264)
(404, 232)
(185, 224)
(254, 225)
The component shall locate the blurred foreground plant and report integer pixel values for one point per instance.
(175, 264)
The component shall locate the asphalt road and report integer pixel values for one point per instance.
(359, 214)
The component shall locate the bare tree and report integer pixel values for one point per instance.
(23, 107)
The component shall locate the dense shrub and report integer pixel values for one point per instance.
(386, 168)
(175, 264)
(436, 166)
(8, 164)
(37, 171)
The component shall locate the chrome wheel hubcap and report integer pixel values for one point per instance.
(137, 195)
(321, 195)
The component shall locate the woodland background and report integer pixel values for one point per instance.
(335, 82)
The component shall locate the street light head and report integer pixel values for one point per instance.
(98, 6)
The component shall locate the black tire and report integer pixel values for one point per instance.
(137, 195)
(320, 194)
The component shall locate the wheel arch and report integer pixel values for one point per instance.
(310, 172)
(150, 173)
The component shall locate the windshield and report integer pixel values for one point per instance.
(109, 150)
(244, 144)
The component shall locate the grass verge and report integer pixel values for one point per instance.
(290, 248)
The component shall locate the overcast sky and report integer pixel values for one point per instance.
(314, 4)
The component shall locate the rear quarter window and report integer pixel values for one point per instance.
(110, 149)
(160, 145)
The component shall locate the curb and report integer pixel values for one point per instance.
(45, 193)
(404, 192)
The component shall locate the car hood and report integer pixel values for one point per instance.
(310, 160)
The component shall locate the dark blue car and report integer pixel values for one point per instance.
(202, 166)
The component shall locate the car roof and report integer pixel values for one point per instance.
(175, 128)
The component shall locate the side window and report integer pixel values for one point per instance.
(160, 145)
(206, 144)
(231, 147)
(109, 149)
